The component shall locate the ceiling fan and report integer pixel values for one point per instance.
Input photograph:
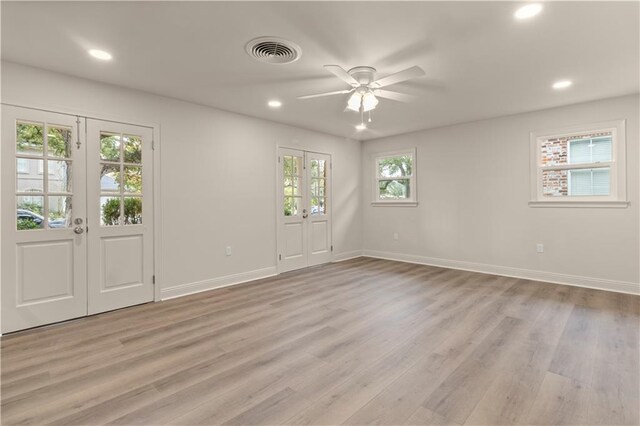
(366, 89)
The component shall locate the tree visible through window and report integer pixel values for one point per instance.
(395, 177)
(40, 148)
(120, 179)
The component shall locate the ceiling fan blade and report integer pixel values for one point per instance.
(407, 74)
(396, 96)
(339, 92)
(339, 72)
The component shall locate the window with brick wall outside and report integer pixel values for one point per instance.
(580, 166)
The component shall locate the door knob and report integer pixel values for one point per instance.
(78, 230)
(304, 213)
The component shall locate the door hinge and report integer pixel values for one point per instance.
(279, 257)
(153, 279)
(331, 248)
(153, 145)
(87, 230)
(278, 159)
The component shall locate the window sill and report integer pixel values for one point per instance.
(579, 204)
(394, 203)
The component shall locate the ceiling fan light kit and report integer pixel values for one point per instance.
(369, 101)
(354, 102)
(365, 90)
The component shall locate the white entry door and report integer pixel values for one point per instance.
(44, 255)
(304, 216)
(119, 213)
(77, 219)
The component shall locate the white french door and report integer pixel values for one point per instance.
(44, 250)
(304, 214)
(60, 260)
(318, 167)
(119, 214)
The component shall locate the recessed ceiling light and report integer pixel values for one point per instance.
(562, 84)
(100, 54)
(275, 104)
(528, 11)
(361, 126)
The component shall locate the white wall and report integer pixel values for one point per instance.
(218, 174)
(473, 189)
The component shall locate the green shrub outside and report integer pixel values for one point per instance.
(132, 211)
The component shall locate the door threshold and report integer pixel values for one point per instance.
(38, 328)
(305, 267)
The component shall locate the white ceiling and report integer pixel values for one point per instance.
(479, 61)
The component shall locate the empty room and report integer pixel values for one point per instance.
(320, 213)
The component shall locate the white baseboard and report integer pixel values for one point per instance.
(341, 257)
(228, 280)
(551, 277)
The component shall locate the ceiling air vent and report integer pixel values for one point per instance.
(273, 50)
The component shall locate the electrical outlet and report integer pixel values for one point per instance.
(540, 248)
(395, 235)
(228, 251)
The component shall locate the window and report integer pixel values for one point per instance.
(292, 174)
(41, 146)
(318, 181)
(120, 179)
(395, 178)
(581, 166)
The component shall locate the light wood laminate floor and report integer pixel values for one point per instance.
(358, 342)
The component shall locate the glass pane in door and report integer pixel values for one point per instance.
(109, 147)
(132, 179)
(110, 211)
(59, 142)
(132, 149)
(292, 206)
(318, 195)
(29, 138)
(110, 177)
(30, 210)
(29, 176)
(132, 210)
(59, 176)
(120, 179)
(292, 177)
(59, 211)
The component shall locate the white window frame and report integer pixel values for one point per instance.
(413, 187)
(617, 167)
